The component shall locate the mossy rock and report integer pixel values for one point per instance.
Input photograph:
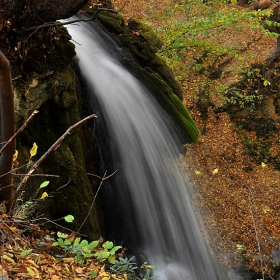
(160, 67)
(113, 22)
(139, 38)
(36, 89)
(176, 110)
(57, 113)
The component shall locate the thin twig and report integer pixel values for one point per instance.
(46, 154)
(94, 199)
(53, 222)
(33, 175)
(19, 131)
(102, 178)
(65, 185)
(251, 203)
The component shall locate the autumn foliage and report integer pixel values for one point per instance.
(237, 195)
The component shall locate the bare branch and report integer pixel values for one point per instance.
(19, 131)
(46, 154)
(38, 175)
(50, 24)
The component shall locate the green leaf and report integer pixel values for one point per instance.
(93, 244)
(44, 184)
(115, 249)
(69, 218)
(25, 253)
(112, 259)
(102, 256)
(84, 243)
(77, 241)
(62, 235)
(108, 245)
(150, 266)
(93, 274)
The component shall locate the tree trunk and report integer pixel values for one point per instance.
(7, 130)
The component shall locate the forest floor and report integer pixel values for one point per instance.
(239, 205)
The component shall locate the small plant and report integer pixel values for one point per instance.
(125, 266)
(107, 252)
(242, 99)
(83, 250)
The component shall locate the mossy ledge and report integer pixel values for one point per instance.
(140, 46)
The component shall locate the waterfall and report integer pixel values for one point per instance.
(147, 145)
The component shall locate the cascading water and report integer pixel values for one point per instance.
(147, 147)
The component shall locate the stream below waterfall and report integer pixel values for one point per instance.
(157, 210)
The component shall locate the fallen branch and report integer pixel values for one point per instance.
(46, 154)
(50, 24)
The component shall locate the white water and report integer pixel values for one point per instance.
(148, 146)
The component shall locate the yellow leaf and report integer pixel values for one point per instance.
(263, 164)
(33, 272)
(215, 171)
(33, 150)
(240, 247)
(44, 195)
(15, 155)
(266, 209)
(8, 259)
(197, 172)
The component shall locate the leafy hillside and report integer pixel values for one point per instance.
(218, 53)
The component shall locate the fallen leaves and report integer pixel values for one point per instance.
(225, 201)
(22, 257)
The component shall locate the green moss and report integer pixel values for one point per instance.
(170, 103)
(113, 22)
(158, 65)
(141, 40)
